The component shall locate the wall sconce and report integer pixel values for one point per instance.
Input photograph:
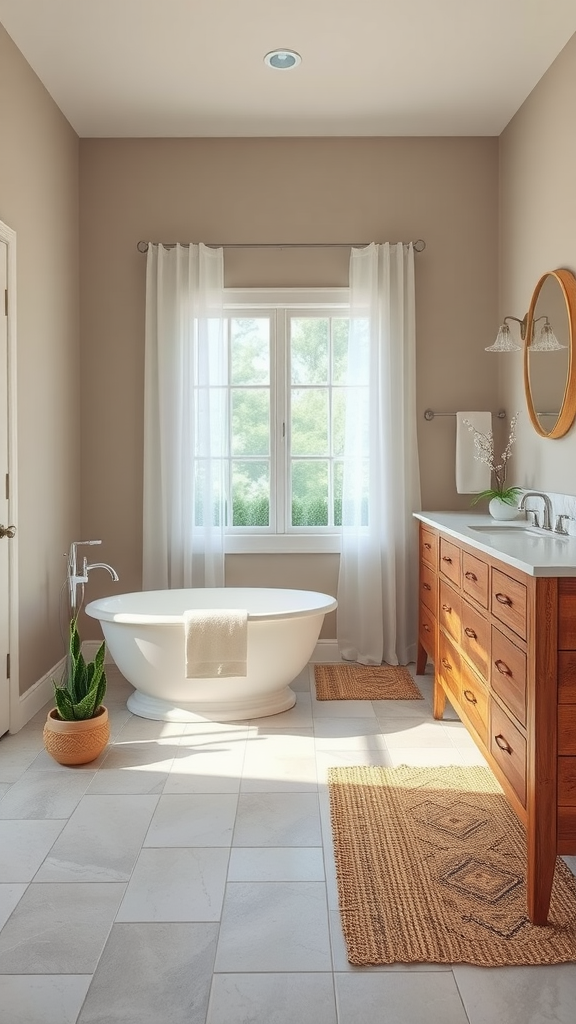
(504, 340)
(545, 342)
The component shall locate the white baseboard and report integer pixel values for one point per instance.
(326, 651)
(37, 696)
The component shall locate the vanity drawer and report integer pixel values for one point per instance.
(428, 588)
(427, 629)
(429, 547)
(508, 748)
(449, 611)
(475, 578)
(449, 666)
(508, 602)
(508, 674)
(450, 563)
(474, 700)
(475, 636)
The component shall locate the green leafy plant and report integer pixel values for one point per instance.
(83, 691)
(484, 444)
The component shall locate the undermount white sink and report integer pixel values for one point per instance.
(511, 529)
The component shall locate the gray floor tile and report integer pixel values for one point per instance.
(197, 819)
(274, 926)
(263, 774)
(101, 841)
(518, 995)
(201, 770)
(44, 999)
(176, 885)
(143, 755)
(10, 896)
(277, 819)
(270, 864)
(24, 846)
(152, 973)
(16, 761)
(400, 997)
(41, 795)
(126, 782)
(59, 929)
(272, 999)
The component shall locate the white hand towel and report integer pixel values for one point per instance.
(472, 476)
(216, 642)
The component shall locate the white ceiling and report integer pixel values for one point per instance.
(167, 68)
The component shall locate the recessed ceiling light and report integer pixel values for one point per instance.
(282, 60)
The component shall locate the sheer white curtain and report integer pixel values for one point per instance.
(377, 587)
(185, 418)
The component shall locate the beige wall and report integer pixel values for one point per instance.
(537, 234)
(39, 200)
(258, 190)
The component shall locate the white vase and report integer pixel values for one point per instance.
(499, 509)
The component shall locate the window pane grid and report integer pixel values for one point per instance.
(315, 496)
(285, 406)
(250, 411)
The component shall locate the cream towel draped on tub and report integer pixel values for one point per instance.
(216, 642)
(472, 476)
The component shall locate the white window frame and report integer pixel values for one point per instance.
(301, 540)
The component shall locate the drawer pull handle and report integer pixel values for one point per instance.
(446, 664)
(470, 697)
(426, 627)
(503, 743)
(446, 608)
(471, 576)
(427, 546)
(503, 668)
(426, 586)
(503, 599)
(446, 558)
(470, 632)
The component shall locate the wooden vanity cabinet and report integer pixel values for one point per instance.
(503, 644)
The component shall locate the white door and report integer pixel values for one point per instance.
(5, 525)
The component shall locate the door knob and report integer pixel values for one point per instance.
(7, 531)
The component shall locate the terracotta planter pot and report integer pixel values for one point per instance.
(76, 742)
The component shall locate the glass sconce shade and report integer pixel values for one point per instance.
(546, 341)
(504, 341)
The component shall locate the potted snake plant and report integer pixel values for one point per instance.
(77, 730)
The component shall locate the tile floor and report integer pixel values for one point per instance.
(187, 877)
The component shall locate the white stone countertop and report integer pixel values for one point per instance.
(518, 543)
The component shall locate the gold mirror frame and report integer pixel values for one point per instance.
(567, 413)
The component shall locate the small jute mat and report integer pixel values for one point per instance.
(365, 682)
(431, 866)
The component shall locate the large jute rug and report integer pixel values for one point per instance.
(365, 682)
(431, 866)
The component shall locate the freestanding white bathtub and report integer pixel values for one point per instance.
(145, 635)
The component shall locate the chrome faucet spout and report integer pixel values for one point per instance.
(102, 565)
(76, 577)
(547, 520)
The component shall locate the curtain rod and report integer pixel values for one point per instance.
(419, 245)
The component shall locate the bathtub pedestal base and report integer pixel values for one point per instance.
(220, 711)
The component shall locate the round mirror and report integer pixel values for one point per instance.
(549, 373)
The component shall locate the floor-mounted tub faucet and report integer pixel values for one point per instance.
(74, 577)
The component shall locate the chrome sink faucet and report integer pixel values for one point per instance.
(547, 520)
(75, 578)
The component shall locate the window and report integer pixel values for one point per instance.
(287, 394)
